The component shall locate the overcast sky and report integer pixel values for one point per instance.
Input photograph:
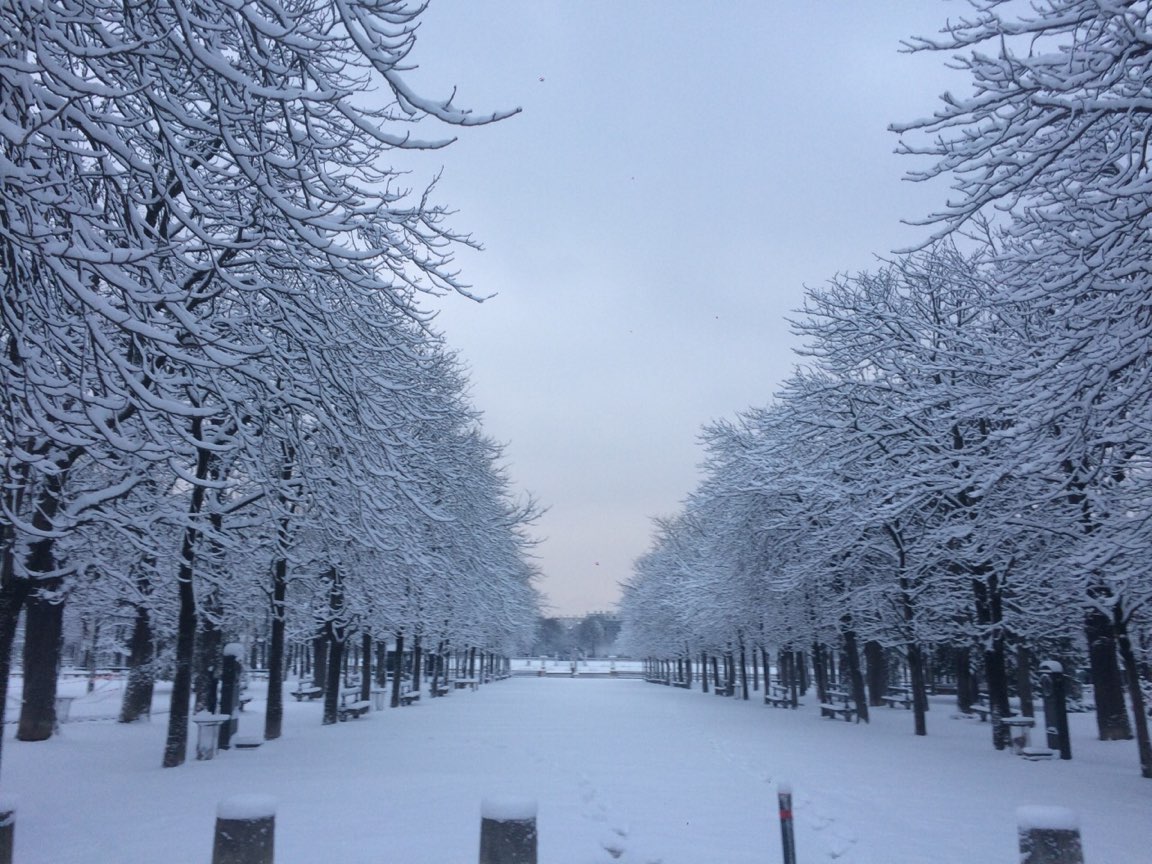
(679, 173)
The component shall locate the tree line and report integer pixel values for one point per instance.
(225, 409)
(959, 467)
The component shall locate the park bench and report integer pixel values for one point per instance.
(441, 688)
(724, 689)
(351, 705)
(778, 697)
(981, 709)
(409, 696)
(302, 693)
(832, 711)
(683, 684)
(243, 701)
(898, 696)
(465, 683)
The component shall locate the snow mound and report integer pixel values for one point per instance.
(247, 807)
(1049, 818)
(508, 809)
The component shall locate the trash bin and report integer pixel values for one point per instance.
(63, 708)
(208, 734)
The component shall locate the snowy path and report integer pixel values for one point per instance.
(623, 770)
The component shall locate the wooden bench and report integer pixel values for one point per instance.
(723, 689)
(831, 711)
(243, 701)
(980, 710)
(683, 684)
(898, 697)
(352, 706)
(465, 683)
(442, 688)
(779, 697)
(309, 693)
(409, 696)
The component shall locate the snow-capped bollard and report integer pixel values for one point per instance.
(7, 831)
(784, 797)
(1049, 835)
(245, 830)
(508, 831)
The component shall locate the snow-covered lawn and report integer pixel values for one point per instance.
(619, 767)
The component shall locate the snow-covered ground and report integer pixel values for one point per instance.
(622, 770)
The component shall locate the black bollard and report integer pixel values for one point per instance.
(508, 831)
(1049, 835)
(7, 832)
(784, 796)
(245, 830)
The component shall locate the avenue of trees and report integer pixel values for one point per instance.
(959, 472)
(224, 411)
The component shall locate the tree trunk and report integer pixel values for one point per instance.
(334, 633)
(43, 628)
(1107, 682)
(819, 670)
(138, 690)
(333, 681)
(1132, 670)
(855, 676)
(176, 741)
(800, 668)
(743, 673)
(967, 691)
(996, 673)
(398, 670)
(919, 690)
(877, 660)
(704, 671)
(274, 713)
(43, 617)
(13, 593)
(320, 661)
(209, 643)
(989, 613)
(1024, 680)
(417, 657)
(365, 666)
(381, 662)
(91, 657)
